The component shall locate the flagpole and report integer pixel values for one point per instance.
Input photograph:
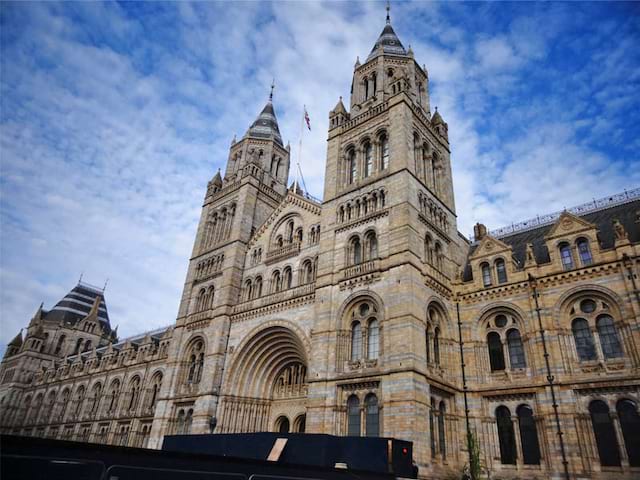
(295, 183)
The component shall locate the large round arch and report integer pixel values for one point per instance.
(269, 369)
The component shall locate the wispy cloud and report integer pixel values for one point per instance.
(114, 116)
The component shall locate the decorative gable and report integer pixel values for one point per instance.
(490, 246)
(568, 224)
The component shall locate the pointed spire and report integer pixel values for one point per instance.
(437, 118)
(217, 179)
(357, 64)
(339, 108)
(266, 125)
(17, 340)
(388, 42)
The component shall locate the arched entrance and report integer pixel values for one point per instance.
(267, 383)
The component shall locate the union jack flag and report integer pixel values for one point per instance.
(306, 118)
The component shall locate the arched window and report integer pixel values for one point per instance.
(300, 423)
(496, 354)
(630, 425)
(79, 401)
(436, 346)
(188, 421)
(486, 274)
(287, 277)
(356, 251)
(356, 341)
(196, 362)
(428, 337)
(372, 424)
(584, 340)
(282, 424)
(290, 231)
(201, 299)
(154, 391)
(516, 350)
(528, 435)
(87, 346)
(210, 295)
(439, 257)
(114, 394)
(584, 252)
(248, 290)
(501, 271)
(134, 392)
(368, 159)
(307, 271)
(180, 422)
(371, 245)
(609, 340)
(96, 394)
(384, 152)
(77, 347)
(373, 340)
(605, 434)
(428, 249)
(565, 256)
(506, 436)
(351, 165)
(353, 416)
(276, 282)
(441, 429)
(435, 167)
(257, 289)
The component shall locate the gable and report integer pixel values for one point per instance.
(568, 224)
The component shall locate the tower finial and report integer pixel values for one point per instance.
(388, 10)
(273, 85)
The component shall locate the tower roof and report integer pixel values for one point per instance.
(389, 42)
(77, 304)
(266, 125)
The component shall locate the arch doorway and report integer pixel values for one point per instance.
(267, 384)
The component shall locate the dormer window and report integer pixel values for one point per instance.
(501, 271)
(565, 256)
(584, 252)
(486, 274)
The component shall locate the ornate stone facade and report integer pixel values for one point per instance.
(351, 315)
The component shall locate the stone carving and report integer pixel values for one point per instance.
(619, 230)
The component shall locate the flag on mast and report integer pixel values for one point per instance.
(306, 118)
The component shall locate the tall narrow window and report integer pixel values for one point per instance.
(584, 340)
(442, 440)
(439, 257)
(609, 340)
(372, 423)
(496, 354)
(584, 252)
(630, 424)
(432, 427)
(565, 256)
(528, 435)
(486, 274)
(428, 249)
(372, 246)
(436, 346)
(428, 337)
(356, 251)
(506, 436)
(283, 425)
(373, 340)
(605, 434)
(356, 341)
(351, 165)
(516, 350)
(384, 152)
(353, 416)
(501, 271)
(287, 278)
(368, 159)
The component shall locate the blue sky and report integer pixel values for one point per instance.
(114, 117)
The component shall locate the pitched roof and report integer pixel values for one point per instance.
(627, 213)
(77, 304)
(266, 125)
(389, 42)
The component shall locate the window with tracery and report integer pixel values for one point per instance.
(584, 252)
(501, 271)
(502, 329)
(365, 332)
(566, 257)
(195, 362)
(592, 317)
(435, 322)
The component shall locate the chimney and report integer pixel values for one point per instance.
(479, 231)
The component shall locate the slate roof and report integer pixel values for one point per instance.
(77, 304)
(266, 125)
(627, 213)
(390, 42)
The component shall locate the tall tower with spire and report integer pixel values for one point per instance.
(235, 205)
(389, 247)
